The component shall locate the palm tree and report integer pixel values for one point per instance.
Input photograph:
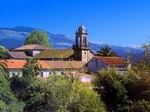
(106, 51)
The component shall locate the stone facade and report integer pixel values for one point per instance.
(81, 48)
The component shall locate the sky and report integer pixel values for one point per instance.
(115, 22)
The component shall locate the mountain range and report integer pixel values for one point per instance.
(15, 37)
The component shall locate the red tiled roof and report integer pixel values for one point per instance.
(43, 64)
(66, 64)
(111, 60)
(31, 47)
(19, 64)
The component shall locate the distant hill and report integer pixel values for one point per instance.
(14, 37)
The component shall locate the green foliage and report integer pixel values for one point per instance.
(3, 106)
(8, 101)
(130, 92)
(147, 52)
(39, 99)
(31, 69)
(38, 37)
(140, 106)
(141, 67)
(84, 100)
(106, 51)
(138, 86)
(109, 85)
(3, 52)
(18, 86)
(59, 94)
(3, 68)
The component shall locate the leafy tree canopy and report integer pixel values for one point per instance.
(109, 85)
(8, 101)
(3, 52)
(59, 94)
(38, 37)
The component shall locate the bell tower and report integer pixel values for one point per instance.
(81, 37)
(81, 49)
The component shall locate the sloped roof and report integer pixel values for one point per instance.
(55, 53)
(65, 64)
(19, 64)
(111, 60)
(31, 47)
(18, 55)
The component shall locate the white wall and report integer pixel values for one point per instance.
(86, 56)
(15, 72)
(35, 53)
(94, 65)
(45, 73)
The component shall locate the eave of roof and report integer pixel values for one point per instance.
(31, 47)
(111, 60)
(66, 64)
(19, 64)
(18, 55)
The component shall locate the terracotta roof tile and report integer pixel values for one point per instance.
(31, 47)
(66, 64)
(19, 64)
(111, 60)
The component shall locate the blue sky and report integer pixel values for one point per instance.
(117, 22)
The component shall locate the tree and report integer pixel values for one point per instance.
(38, 37)
(141, 67)
(59, 94)
(137, 83)
(106, 51)
(140, 106)
(8, 101)
(31, 70)
(3, 52)
(110, 85)
(147, 51)
(3, 68)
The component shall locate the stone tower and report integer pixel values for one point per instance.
(81, 49)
